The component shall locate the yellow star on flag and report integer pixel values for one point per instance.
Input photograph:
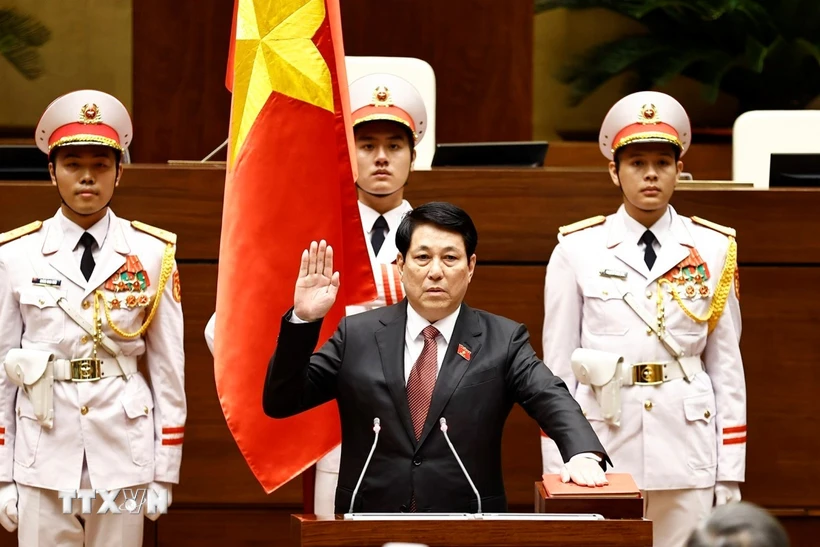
(275, 52)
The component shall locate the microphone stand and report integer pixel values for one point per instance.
(443, 423)
(376, 428)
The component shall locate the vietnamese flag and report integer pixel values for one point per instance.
(289, 181)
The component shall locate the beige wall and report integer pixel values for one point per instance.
(90, 47)
(560, 34)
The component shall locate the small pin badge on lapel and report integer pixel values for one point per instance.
(620, 274)
(464, 352)
(45, 282)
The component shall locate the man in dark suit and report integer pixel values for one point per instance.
(428, 357)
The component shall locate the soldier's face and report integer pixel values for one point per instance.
(85, 176)
(647, 175)
(436, 271)
(384, 157)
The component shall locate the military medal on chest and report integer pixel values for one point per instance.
(689, 278)
(129, 285)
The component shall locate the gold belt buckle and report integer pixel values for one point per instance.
(86, 370)
(647, 374)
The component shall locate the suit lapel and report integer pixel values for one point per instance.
(467, 332)
(628, 254)
(111, 257)
(60, 254)
(390, 341)
(675, 249)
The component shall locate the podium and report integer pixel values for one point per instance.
(610, 508)
(499, 530)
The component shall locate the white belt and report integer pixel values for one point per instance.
(89, 370)
(650, 374)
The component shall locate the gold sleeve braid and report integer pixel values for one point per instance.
(165, 272)
(720, 295)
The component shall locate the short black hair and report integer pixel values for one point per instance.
(617, 157)
(740, 524)
(442, 215)
(411, 141)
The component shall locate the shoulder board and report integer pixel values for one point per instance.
(159, 233)
(581, 225)
(11, 235)
(729, 232)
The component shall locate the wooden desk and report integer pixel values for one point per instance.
(310, 531)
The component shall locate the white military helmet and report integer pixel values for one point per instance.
(646, 116)
(82, 117)
(388, 97)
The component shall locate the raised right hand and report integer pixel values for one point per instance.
(317, 285)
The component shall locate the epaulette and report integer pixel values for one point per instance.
(581, 225)
(725, 230)
(159, 233)
(11, 235)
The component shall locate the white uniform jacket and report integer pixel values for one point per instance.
(130, 431)
(678, 434)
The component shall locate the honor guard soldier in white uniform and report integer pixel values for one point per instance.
(89, 302)
(389, 120)
(642, 321)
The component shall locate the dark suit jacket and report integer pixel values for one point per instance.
(362, 367)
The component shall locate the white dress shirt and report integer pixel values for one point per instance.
(387, 253)
(635, 230)
(393, 217)
(73, 232)
(414, 340)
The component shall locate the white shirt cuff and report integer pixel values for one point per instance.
(589, 455)
(296, 319)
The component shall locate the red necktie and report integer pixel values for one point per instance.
(420, 386)
(422, 380)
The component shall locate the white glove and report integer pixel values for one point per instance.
(159, 488)
(584, 470)
(8, 506)
(727, 492)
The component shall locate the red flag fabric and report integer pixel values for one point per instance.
(289, 182)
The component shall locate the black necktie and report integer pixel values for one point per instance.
(377, 236)
(87, 262)
(649, 256)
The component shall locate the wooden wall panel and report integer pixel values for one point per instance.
(212, 527)
(484, 91)
(705, 161)
(182, 108)
(517, 212)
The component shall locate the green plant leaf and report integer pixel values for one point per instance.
(808, 48)
(764, 52)
(23, 57)
(19, 36)
(26, 29)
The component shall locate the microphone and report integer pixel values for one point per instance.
(376, 428)
(443, 423)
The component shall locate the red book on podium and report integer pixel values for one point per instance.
(620, 499)
(621, 485)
